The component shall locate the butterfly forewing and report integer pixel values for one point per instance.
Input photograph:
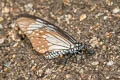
(44, 36)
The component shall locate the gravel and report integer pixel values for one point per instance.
(95, 22)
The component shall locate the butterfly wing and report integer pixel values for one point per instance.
(43, 35)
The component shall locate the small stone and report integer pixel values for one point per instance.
(48, 71)
(118, 36)
(14, 56)
(1, 19)
(69, 16)
(108, 77)
(81, 71)
(95, 63)
(6, 69)
(1, 26)
(94, 42)
(99, 14)
(116, 10)
(93, 8)
(75, 10)
(117, 15)
(2, 40)
(107, 34)
(67, 2)
(101, 43)
(12, 25)
(16, 44)
(82, 17)
(109, 2)
(105, 17)
(5, 10)
(29, 5)
(33, 67)
(39, 72)
(110, 63)
(68, 76)
(104, 47)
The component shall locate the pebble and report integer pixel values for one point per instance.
(82, 17)
(94, 42)
(110, 63)
(68, 17)
(1, 19)
(33, 67)
(107, 77)
(48, 71)
(28, 6)
(109, 2)
(116, 10)
(39, 72)
(2, 40)
(107, 34)
(104, 47)
(81, 71)
(68, 76)
(105, 17)
(13, 55)
(95, 63)
(118, 36)
(5, 10)
(1, 27)
(99, 14)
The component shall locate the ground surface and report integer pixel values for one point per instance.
(96, 22)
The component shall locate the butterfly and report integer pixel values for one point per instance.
(47, 38)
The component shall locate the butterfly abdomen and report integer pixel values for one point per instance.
(78, 48)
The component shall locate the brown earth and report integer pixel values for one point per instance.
(95, 22)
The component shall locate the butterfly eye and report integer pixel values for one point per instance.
(46, 38)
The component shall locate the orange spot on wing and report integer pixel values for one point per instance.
(42, 51)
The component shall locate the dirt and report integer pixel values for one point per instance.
(95, 22)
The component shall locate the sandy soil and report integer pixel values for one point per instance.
(95, 22)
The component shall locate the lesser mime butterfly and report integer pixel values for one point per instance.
(47, 38)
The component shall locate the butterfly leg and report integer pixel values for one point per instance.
(67, 59)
